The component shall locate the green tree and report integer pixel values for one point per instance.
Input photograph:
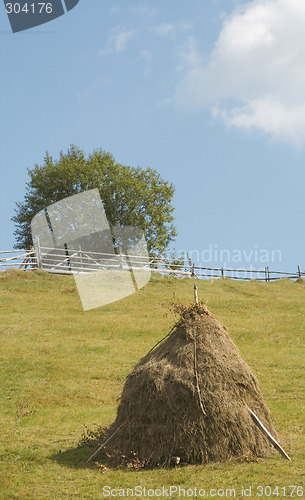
(131, 196)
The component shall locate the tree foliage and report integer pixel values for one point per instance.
(131, 196)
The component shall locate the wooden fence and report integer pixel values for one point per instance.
(20, 259)
(63, 261)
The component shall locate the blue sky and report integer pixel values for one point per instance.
(211, 94)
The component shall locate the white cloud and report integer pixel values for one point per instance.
(190, 57)
(118, 42)
(163, 29)
(121, 40)
(85, 94)
(147, 57)
(255, 77)
(144, 11)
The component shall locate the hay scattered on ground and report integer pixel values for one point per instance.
(188, 398)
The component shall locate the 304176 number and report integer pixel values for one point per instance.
(282, 491)
(28, 8)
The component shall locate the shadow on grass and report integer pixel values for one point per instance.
(75, 458)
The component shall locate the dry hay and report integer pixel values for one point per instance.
(188, 398)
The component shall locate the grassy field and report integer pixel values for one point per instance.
(62, 369)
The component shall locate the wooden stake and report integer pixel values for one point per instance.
(196, 294)
(270, 438)
(25, 262)
(196, 375)
(195, 359)
(95, 454)
(190, 264)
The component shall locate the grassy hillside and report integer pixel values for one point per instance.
(63, 369)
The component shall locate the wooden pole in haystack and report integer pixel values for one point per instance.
(97, 452)
(270, 438)
(195, 359)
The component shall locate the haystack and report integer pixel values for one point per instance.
(190, 398)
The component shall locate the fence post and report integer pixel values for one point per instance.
(191, 265)
(81, 257)
(68, 257)
(266, 274)
(222, 273)
(29, 258)
(121, 257)
(38, 255)
(299, 271)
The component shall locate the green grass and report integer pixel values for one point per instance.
(62, 369)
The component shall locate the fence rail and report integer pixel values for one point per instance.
(21, 259)
(64, 261)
